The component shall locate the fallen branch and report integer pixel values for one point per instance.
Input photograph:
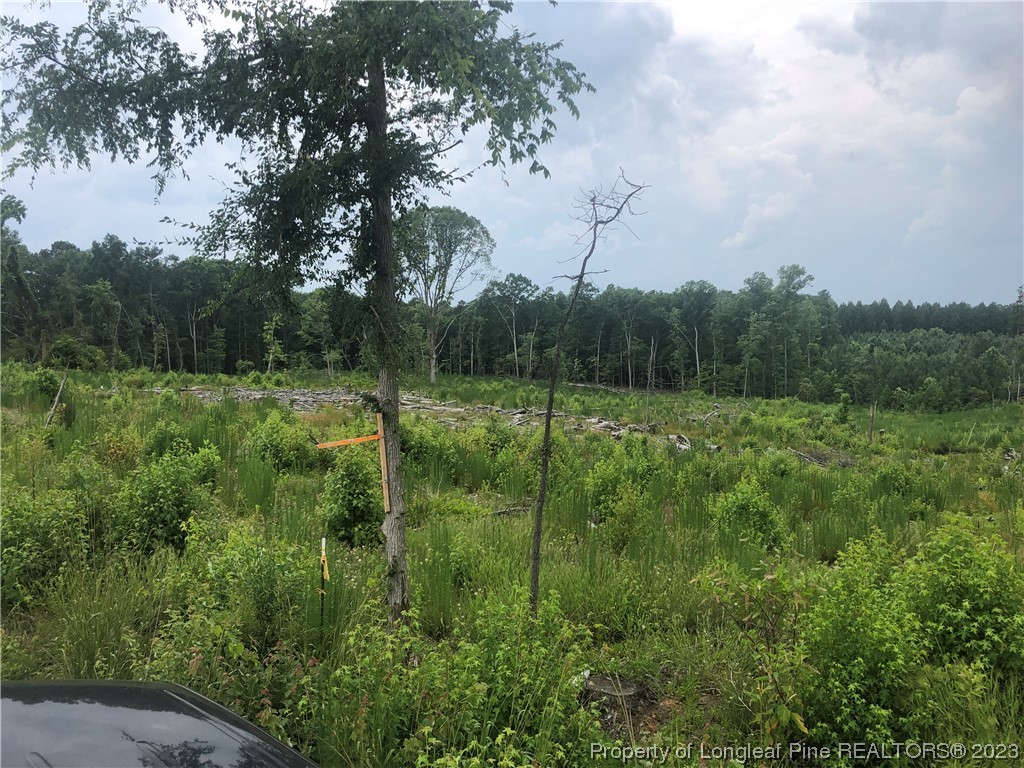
(823, 459)
(513, 510)
(56, 400)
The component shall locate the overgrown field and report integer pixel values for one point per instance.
(744, 596)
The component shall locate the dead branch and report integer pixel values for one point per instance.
(823, 459)
(56, 400)
(598, 213)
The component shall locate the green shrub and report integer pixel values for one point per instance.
(429, 446)
(46, 381)
(93, 485)
(15, 381)
(748, 507)
(365, 707)
(169, 399)
(156, 500)
(68, 352)
(40, 534)
(517, 465)
(281, 441)
(259, 579)
(893, 479)
(121, 447)
(705, 473)
(33, 387)
(603, 484)
(502, 690)
(628, 515)
(208, 653)
(352, 502)
(969, 595)
(766, 607)
(865, 643)
(776, 464)
(498, 434)
(164, 437)
(628, 463)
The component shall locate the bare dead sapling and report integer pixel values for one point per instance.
(598, 212)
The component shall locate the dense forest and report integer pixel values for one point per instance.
(116, 306)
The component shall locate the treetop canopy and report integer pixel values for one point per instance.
(296, 85)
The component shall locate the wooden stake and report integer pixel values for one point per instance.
(383, 464)
(350, 441)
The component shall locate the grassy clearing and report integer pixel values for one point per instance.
(754, 598)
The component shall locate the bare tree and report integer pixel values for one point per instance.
(598, 211)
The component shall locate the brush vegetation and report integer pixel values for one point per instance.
(753, 597)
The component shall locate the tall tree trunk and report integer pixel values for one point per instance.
(545, 456)
(515, 343)
(459, 344)
(529, 360)
(394, 517)
(696, 352)
(384, 289)
(192, 320)
(650, 379)
(785, 367)
(432, 344)
(714, 365)
(629, 355)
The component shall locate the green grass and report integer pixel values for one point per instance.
(238, 611)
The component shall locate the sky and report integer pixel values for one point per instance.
(878, 145)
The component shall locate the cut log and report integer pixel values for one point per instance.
(681, 442)
(603, 686)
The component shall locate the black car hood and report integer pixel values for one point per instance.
(109, 724)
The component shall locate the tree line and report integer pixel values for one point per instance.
(120, 307)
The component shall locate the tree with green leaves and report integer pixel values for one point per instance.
(273, 345)
(508, 297)
(446, 250)
(344, 112)
(690, 308)
(19, 309)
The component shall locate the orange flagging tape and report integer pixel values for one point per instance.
(349, 441)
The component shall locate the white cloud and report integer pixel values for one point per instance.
(864, 142)
(781, 188)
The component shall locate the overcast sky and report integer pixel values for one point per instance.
(881, 146)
